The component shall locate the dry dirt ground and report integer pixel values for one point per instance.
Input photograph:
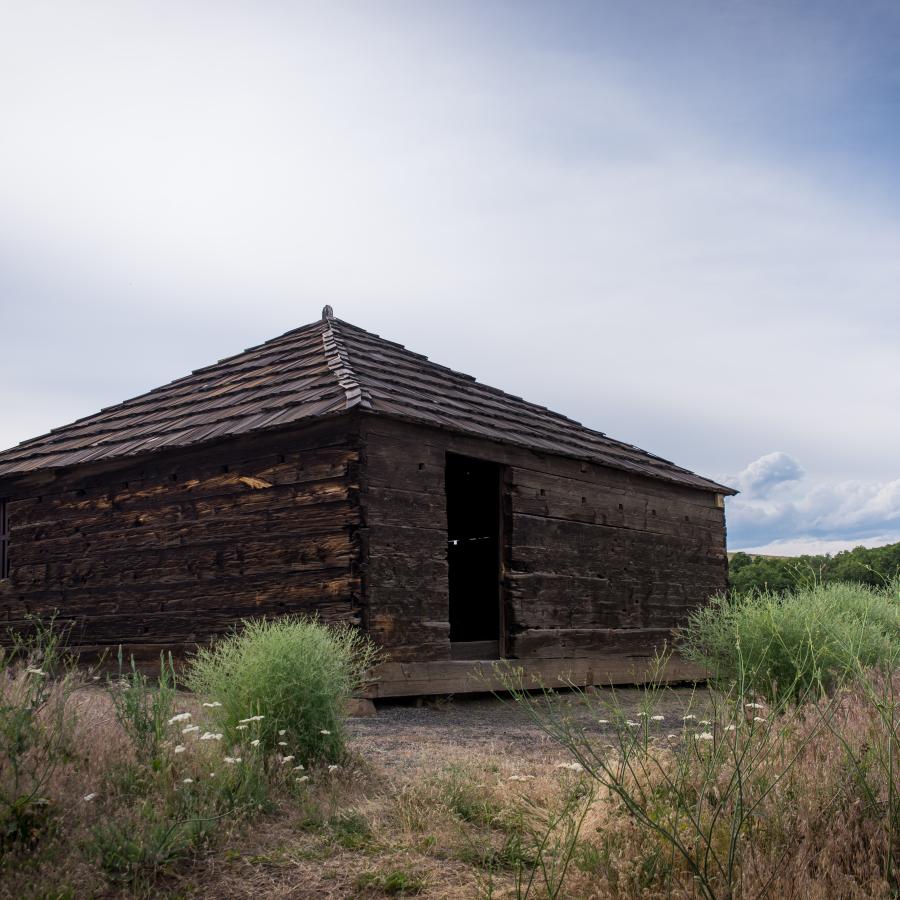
(421, 810)
(407, 735)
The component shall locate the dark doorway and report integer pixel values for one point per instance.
(473, 556)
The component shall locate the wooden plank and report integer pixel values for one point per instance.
(179, 550)
(404, 679)
(475, 650)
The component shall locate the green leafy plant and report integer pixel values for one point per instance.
(393, 882)
(144, 709)
(792, 643)
(288, 679)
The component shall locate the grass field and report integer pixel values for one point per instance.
(744, 788)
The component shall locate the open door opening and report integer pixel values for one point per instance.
(474, 526)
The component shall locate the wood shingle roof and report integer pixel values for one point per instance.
(325, 368)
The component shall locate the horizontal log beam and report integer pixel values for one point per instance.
(409, 679)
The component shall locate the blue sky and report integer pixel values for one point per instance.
(676, 222)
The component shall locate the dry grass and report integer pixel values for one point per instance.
(443, 812)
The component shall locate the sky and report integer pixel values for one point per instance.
(678, 223)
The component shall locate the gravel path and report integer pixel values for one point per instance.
(409, 733)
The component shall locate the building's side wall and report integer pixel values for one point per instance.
(596, 561)
(175, 549)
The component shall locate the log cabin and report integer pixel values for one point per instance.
(333, 473)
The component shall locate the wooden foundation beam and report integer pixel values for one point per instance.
(409, 679)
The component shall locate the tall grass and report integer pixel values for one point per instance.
(36, 726)
(120, 782)
(291, 676)
(790, 644)
(740, 799)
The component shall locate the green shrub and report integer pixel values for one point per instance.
(785, 645)
(294, 672)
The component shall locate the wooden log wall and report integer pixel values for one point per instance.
(176, 549)
(597, 560)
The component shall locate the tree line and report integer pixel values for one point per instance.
(875, 566)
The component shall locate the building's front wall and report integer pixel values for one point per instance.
(597, 561)
(347, 519)
(164, 552)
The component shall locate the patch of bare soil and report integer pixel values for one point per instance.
(410, 733)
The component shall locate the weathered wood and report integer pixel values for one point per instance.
(475, 650)
(588, 551)
(405, 679)
(171, 552)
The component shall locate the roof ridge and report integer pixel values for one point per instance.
(338, 360)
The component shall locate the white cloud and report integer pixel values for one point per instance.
(179, 181)
(780, 507)
(765, 473)
(816, 547)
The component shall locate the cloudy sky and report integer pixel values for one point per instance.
(676, 222)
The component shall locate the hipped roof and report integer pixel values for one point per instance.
(323, 368)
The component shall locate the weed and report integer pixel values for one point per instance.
(351, 830)
(294, 674)
(39, 677)
(393, 882)
(142, 709)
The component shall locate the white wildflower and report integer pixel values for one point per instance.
(240, 727)
(231, 760)
(252, 719)
(572, 766)
(88, 797)
(688, 718)
(703, 736)
(520, 778)
(282, 743)
(180, 748)
(212, 774)
(210, 736)
(333, 768)
(704, 722)
(754, 706)
(672, 737)
(187, 780)
(31, 670)
(758, 719)
(632, 724)
(324, 731)
(287, 759)
(214, 705)
(730, 727)
(181, 717)
(658, 718)
(283, 732)
(603, 721)
(190, 729)
(254, 743)
(302, 778)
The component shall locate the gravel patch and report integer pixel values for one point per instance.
(408, 734)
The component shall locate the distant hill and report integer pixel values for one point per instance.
(784, 573)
